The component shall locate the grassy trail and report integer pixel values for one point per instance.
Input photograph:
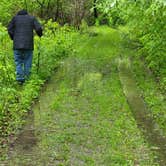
(83, 117)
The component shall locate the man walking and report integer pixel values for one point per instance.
(20, 30)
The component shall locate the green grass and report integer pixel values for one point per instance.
(90, 122)
(151, 93)
(83, 117)
(148, 85)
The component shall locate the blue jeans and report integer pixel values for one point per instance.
(23, 61)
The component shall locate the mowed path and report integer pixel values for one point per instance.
(83, 117)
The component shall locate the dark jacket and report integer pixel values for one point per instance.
(21, 29)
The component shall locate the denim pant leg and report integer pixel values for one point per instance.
(28, 54)
(18, 56)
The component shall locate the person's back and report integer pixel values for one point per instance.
(20, 30)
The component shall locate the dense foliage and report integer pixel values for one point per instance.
(149, 28)
(65, 12)
(146, 22)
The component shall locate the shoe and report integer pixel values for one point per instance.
(20, 82)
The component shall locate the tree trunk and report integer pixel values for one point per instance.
(25, 4)
(95, 9)
(57, 10)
